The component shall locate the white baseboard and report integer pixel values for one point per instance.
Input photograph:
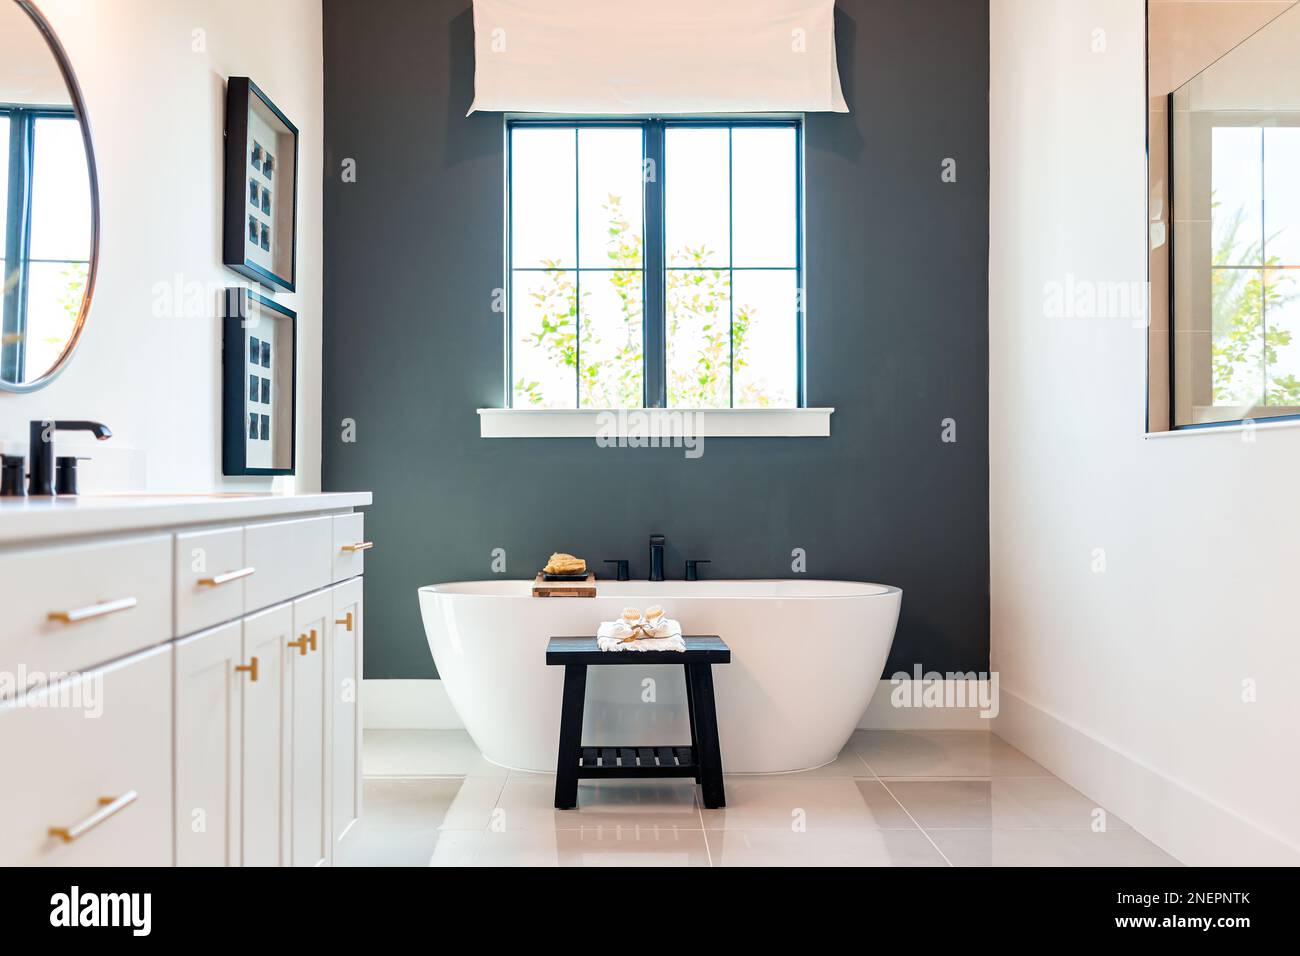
(884, 713)
(423, 705)
(1181, 821)
(407, 705)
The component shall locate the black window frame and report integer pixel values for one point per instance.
(654, 267)
(20, 156)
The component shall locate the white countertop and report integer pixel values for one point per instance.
(28, 519)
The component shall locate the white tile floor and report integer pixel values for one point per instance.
(891, 799)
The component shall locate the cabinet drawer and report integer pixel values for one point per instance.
(210, 575)
(350, 546)
(70, 607)
(291, 558)
(75, 761)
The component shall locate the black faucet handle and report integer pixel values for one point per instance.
(620, 569)
(693, 568)
(13, 469)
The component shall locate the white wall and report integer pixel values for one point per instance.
(149, 369)
(1128, 681)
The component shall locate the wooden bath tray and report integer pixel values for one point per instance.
(584, 588)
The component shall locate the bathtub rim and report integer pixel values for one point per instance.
(885, 590)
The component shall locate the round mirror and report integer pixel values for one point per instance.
(49, 201)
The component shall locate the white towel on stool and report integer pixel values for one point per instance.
(668, 637)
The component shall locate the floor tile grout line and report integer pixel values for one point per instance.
(924, 832)
(863, 760)
(703, 830)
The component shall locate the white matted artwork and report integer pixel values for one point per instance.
(260, 360)
(261, 187)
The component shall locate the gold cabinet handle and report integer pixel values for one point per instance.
(359, 546)
(250, 668)
(108, 807)
(313, 639)
(219, 579)
(301, 644)
(345, 620)
(101, 609)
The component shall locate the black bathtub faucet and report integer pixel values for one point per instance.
(656, 557)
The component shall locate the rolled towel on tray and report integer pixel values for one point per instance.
(653, 632)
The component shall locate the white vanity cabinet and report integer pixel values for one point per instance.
(266, 743)
(208, 728)
(235, 740)
(308, 730)
(343, 657)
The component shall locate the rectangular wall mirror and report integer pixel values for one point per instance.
(1224, 152)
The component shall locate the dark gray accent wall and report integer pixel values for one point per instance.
(897, 341)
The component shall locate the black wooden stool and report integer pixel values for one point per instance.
(702, 760)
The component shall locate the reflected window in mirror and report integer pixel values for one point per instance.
(1234, 262)
(1255, 231)
(47, 215)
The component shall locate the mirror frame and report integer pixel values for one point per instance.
(79, 108)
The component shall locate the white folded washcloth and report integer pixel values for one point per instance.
(611, 636)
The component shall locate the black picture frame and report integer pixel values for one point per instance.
(243, 99)
(239, 457)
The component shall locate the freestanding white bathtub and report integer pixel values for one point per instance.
(806, 657)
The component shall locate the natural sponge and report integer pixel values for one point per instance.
(561, 563)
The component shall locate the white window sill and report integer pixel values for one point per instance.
(654, 425)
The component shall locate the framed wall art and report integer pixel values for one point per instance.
(260, 226)
(259, 385)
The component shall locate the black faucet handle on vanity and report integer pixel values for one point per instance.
(41, 476)
(13, 472)
(620, 568)
(693, 568)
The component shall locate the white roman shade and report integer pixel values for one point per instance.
(620, 57)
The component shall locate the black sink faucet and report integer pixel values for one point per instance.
(41, 477)
(656, 557)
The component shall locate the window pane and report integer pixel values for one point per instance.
(1237, 339)
(696, 189)
(764, 194)
(765, 338)
(60, 192)
(542, 197)
(699, 338)
(1282, 322)
(1237, 195)
(1282, 194)
(611, 353)
(610, 226)
(543, 353)
(53, 303)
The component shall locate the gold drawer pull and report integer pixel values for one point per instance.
(359, 546)
(250, 668)
(219, 579)
(301, 644)
(346, 620)
(313, 639)
(93, 611)
(108, 806)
